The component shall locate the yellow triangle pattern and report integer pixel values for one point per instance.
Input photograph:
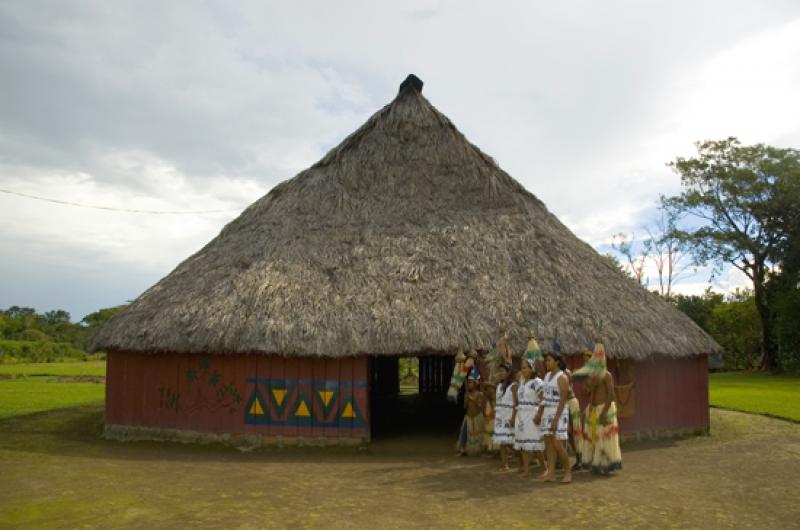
(302, 410)
(326, 396)
(349, 412)
(279, 395)
(255, 408)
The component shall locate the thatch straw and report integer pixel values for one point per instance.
(404, 239)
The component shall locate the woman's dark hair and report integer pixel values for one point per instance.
(562, 364)
(509, 377)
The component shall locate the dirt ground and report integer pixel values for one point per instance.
(56, 472)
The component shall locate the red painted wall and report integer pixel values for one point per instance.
(240, 394)
(669, 395)
(308, 398)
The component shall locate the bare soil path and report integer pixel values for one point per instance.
(56, 472)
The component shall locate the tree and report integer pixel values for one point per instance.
(617, 264)
(101, 316)
(18, 319)
(634, 267)
(735, 325)
(744, 202)
(667, 252)
(784, 290)
(698, 308)
(58, 316)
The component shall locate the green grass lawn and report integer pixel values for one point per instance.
(774, 395)
(408, 390)
(77, 368)
(36, 387)
(36, 394)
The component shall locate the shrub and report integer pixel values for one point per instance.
(37, 351)
(787, 329)
(737, 327)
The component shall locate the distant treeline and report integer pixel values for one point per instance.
(28, 336)
(735, 324)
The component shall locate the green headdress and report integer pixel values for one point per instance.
(533, 352)
(596, 365)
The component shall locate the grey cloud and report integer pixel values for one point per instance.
(561, 95)
(82, 90)
(248, 90)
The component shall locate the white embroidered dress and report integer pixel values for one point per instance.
(552, 396)
(504, 407)
(527, 435)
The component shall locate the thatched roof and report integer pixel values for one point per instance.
(404, 239)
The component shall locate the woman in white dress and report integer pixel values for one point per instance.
(503, 436)
(553, 418)
(527, 436)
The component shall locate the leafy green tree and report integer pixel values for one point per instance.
(698, 307)
(26, 334)
(35, 335)
(100, 317)
(736, 326)
(787, 328)
(16, 312)
(18, 319)
(745, 202)
(58, 316)
(784, 289)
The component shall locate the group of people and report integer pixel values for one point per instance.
(534, 412)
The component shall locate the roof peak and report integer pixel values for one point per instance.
(372, 250)
(411, 82)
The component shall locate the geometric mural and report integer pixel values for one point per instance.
(207, 393)
(303, 403)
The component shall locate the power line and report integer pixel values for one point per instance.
(112, 209)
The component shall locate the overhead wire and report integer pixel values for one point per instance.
(114, 209)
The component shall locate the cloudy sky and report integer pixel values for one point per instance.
(204, 106)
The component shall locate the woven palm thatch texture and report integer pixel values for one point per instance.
(404, 239)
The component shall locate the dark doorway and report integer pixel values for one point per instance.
(427, 411)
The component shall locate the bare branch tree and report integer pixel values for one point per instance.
(624, 244)
(668, 253)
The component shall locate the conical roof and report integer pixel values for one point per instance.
(404, 239)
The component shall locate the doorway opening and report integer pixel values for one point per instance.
(408, 395)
